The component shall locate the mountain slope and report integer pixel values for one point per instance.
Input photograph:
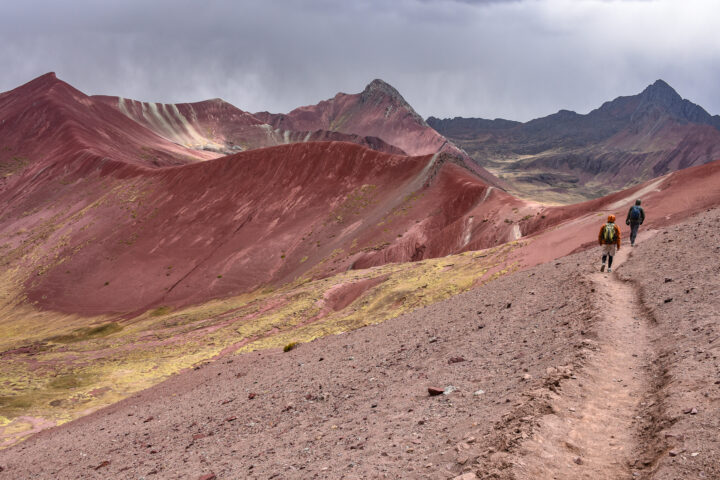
(519, 354)
(218, 126)
(47, 119)
(116, 273)
(568, 156)
(257, 217)
(378, 111)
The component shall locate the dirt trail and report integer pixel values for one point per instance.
(593, 431)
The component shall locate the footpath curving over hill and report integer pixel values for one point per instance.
(520, 359)
(117, 270)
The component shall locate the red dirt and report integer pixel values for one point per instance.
(216, 125)
(537, 346)
(97, 230)
(340, 296)
(378, 111)
(46, 121)
(120, 238)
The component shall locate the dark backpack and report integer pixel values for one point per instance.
(635, 213)
(609, 236)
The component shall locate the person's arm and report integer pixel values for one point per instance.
(617, 232)
(600, 234)
(642, 215)
(627, 219)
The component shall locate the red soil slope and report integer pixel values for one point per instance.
(378, 111)
(216, 125)
(92, 231)
(521, 355)
(47, 120)
(112, 237)
(667, 200)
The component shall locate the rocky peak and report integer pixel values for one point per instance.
(381, 88)
(661, 96)
(661, 93)
(378, 91)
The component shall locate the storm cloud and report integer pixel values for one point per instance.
(515, 59)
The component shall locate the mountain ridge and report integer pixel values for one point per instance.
(622, 142)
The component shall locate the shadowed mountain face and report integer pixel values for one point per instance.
(568, 156)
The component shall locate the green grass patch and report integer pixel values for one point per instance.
(160, 311)
(86, 333)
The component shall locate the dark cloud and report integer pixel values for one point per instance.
(494, 58)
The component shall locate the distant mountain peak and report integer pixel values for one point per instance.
(378, 90)
(382, 86)
(663, 96)
(661, 92)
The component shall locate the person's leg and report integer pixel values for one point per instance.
(610, 259)
(604, 257)
(633, 233)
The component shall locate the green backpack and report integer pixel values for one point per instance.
(609, 236)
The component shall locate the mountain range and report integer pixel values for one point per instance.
(568, 156)
(140, 241)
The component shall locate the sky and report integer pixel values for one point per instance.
(514, 59)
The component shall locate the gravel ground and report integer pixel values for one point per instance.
(357, 405)
(349, 406)
(678, 275)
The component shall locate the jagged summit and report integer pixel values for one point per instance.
(380, 87)
(660, 88)
(379, 91)
(661, 93)
(662, 96)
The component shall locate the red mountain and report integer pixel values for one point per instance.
(93, 229)
(378, 111)
(47, 119)
(218, 126)
(568, 156)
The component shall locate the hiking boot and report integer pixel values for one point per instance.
(609, 270)
(602, 269)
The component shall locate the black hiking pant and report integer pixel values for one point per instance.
(633, 232)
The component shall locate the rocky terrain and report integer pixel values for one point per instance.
(516, 363)
(567, 157)
(142, 243)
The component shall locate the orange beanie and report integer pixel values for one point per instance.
(611, 218)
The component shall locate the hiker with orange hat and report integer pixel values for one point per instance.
(609, 240)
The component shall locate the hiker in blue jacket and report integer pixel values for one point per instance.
(635, 218)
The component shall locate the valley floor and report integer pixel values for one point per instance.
(557, 372)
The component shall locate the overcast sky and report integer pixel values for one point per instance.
(499, 58)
